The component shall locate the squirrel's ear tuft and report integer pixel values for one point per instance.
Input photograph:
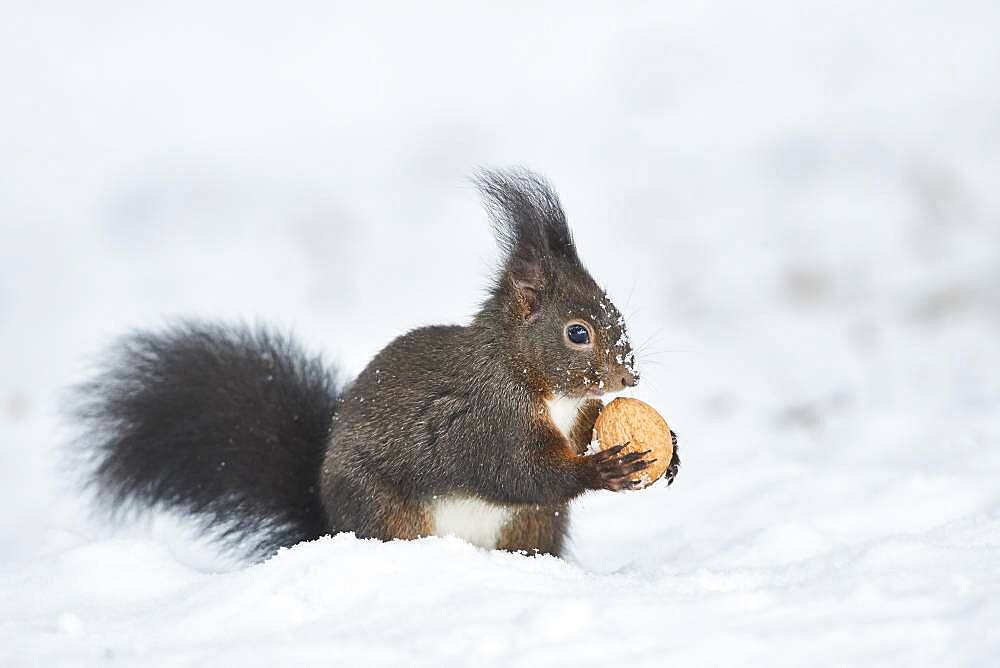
(530, 227)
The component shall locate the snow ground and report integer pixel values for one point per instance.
(795, 203)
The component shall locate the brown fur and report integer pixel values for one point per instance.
(583, 429)
(536, 530)
(404, 520)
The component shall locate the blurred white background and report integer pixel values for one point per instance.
(795, 204)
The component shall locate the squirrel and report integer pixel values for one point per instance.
(479, 431)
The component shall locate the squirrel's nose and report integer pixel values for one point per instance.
(630, 379)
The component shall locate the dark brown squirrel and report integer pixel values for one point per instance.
(479, 431)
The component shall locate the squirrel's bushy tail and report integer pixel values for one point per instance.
(227, 422)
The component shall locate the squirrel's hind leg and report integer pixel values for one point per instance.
(403, 519)
(536, 530)
(369, 509)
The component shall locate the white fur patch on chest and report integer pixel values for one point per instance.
(473, 520)
(563, 412)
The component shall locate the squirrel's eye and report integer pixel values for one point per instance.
(578, 334)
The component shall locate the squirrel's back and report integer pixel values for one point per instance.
(228, 423)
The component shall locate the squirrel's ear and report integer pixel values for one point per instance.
(527, 279)
(530, 227)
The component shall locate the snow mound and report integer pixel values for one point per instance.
(441, 601)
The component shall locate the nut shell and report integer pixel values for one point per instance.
(627, 420)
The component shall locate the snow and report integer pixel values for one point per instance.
(793, 204)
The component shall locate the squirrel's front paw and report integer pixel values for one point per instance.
(610, 471)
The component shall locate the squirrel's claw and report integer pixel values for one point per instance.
(613, 472)
(675, 462)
